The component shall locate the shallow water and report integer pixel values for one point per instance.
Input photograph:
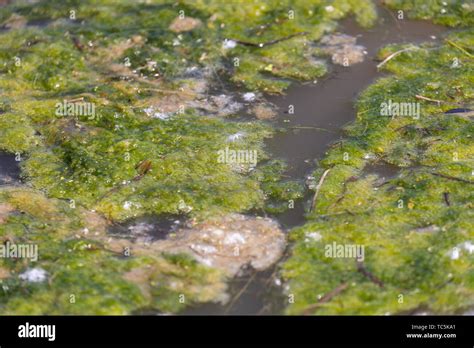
(321, 109)
(9, 169)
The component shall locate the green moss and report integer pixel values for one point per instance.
(408, 223)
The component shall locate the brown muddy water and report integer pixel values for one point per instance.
(321, 109)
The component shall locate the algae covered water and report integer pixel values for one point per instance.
(169, 158)
(321, 109)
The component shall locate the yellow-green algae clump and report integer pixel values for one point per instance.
(416, 225)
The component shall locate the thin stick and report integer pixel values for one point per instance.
(269, 43)
(77, 43)
(343, 194)
(361, 268)
(326, 298)
(320, 183)
(417, 96)
(393, 55)
(240, 292)
(310, 127)
(263, 309)
(446, 198)
(75, 100)
(452, 178)
(459, 48)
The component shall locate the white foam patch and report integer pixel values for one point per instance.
(34, 275)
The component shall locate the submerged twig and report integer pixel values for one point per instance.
(320, 183)
(452, 178)
(343, 193)
(311, 127)
(263, 309)
(446, 198)
(269, 43)
(362, 269)
(239, 294)
(326, 298)
(77, 43)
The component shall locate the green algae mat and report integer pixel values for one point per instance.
(139, 129)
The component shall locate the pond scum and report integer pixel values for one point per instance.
(148, 146)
